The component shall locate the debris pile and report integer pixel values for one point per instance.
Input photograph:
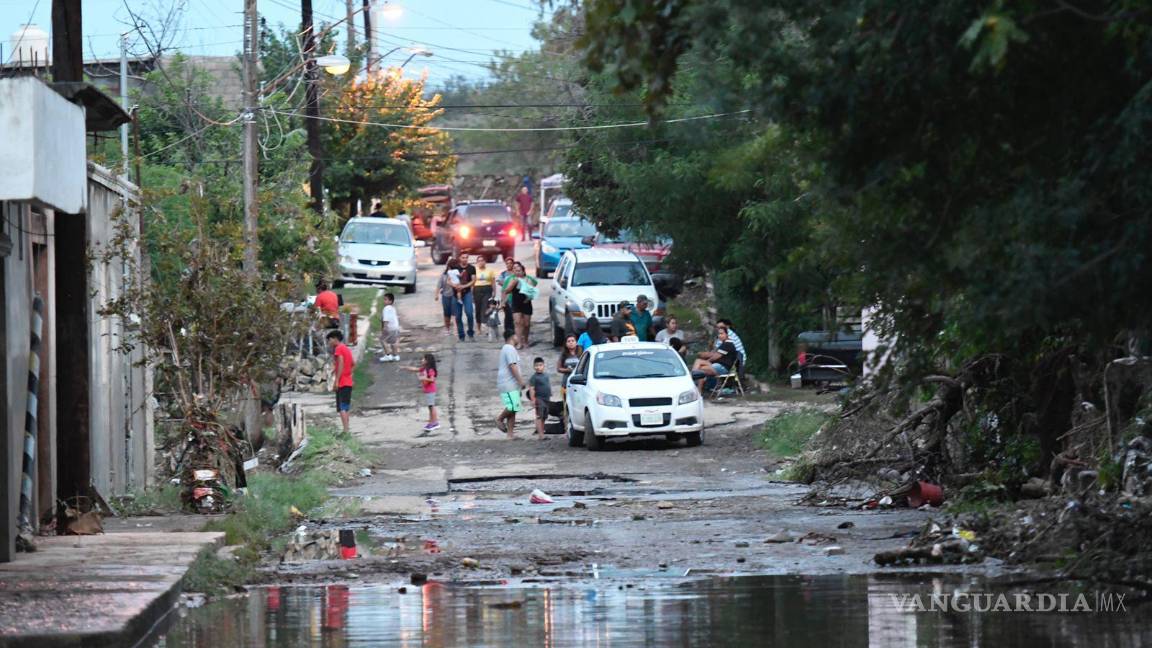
(306, 373)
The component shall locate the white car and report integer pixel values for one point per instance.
(627, 389)
(591, 283)
(377, 251)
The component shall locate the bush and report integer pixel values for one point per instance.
(788, 433)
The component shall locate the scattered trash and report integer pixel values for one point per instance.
(512, 520)
(636, 517)
(431, 546)
(815, 538)
(779, 537)
(296, 513)
(923, 493)
(317, 545)
(347, 544)
(579, 505)
(365, 472)
(885, 502)
(741, 545)
(834, 550)
(845, 525)
(251, 464)
(540, 497)
(741, 560)
(418, 578)
(402, 590)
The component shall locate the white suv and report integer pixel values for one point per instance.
(592, 282)
(631, 389)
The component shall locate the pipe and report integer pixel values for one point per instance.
(26, 530)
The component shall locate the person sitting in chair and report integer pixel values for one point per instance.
(717, 362)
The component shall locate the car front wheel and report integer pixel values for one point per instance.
(575, 437)
(593, 442)
(409, 289)
(694, 438)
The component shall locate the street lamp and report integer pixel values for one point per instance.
(334, 64)
(415, 51)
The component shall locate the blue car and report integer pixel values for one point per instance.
(559, 236)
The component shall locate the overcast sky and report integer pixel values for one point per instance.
(462, 34)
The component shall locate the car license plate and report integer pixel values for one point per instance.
(489, 243)
(653, 418)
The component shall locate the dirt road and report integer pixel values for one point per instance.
(455, 502)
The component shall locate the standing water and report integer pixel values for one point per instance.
(792, 611)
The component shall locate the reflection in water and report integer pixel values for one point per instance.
(821, 612)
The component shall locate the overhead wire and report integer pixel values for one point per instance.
(527, 129)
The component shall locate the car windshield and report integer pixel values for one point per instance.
(565, 228)
(486, 214)
(612, 273)
(628, 236)
(561, 210)
(376, 234)
(638, 363)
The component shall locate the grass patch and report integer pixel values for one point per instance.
(211, 574)
(158, 500)
(362, 298)
(362, 377)
(787, 434)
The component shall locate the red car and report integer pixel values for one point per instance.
(652, 252)
(437, 201)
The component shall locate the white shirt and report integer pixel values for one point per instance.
(666, 336)
(388, 316)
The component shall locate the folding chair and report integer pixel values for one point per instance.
(730, 380)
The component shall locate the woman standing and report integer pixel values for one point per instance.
(447, 293)
(521, 290)
(482, 291)
(569, 358)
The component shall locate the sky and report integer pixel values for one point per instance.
(462, 34)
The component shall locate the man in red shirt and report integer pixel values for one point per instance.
(524, 207)
(342, 370)
(327, 302)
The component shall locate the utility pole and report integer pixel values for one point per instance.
(124, 100)
(251, 168)
(350, 28)
(312, 110)
(368, 40)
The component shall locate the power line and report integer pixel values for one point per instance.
(478, 129)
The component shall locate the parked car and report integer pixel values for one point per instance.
(653, 252)
(378, 251)
(436, 201)
(559, 208)
(593, 282)
(557, 237)
(630, 389)
(476, 227)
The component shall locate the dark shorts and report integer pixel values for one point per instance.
(541, 409)
(343, 399)
(449, 305)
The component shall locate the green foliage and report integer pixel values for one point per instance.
(213, 575)
(786, 434)
(163, 499)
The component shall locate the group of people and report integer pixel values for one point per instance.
(480, 296)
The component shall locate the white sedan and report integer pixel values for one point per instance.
(378, 251)
(632, 389)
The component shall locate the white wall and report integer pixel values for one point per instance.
(43, 156)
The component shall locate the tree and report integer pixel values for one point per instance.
(379, 141)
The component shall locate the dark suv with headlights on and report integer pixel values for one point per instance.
(476, 227)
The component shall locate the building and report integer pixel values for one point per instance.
(93, 419)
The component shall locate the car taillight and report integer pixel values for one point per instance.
(464, 231)
(513, 232)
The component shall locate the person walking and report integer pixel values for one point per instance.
(505, 300)
(521, 290)
(482, 289)
(447, 294)
(509, 382)
(427, 374)
(342, 364)
(389, 330)
(464, 305)
(524, 208)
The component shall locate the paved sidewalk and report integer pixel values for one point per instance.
(101, 590)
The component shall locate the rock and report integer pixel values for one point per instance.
(779, 537)
(741, 560)
(580, 505)
(834, 550)
(845, 525)
(636, 517)
(741, 545)
(664, 505)
(418, 578)
(1034, 488)
(512, 520)
(402, 590)
(470, 563)
(889, 474)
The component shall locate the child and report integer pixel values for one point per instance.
(454, 279)
(427, 374)
(389, 330)
(342, 364)
(540, 391)
(493, 319)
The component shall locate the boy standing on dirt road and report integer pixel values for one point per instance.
(342, 364)
(509, 382)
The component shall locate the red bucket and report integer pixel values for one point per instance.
(924, 493)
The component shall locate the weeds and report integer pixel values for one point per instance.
(787, 434)
(160, 500)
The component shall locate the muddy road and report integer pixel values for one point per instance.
(454, 503)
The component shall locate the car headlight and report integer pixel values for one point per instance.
(608, 400)
(347, 260)
(548, 248)
(589, 307)
(689, 396)
(404, 263)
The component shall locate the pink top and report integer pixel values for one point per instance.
(430, 386)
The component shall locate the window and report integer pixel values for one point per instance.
(569, 228)
(582, 368)
(376, 234)
(486, 214)
(639, 363)
(612, 273)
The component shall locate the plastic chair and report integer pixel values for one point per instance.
(730, 380)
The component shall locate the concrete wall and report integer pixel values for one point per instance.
(17, 306)
(44, 146)
(121, 429)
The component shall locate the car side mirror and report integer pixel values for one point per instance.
(588, 240)
(578, 380)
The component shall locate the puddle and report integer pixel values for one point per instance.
(793, 611)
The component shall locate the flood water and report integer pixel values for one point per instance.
(819, 612)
